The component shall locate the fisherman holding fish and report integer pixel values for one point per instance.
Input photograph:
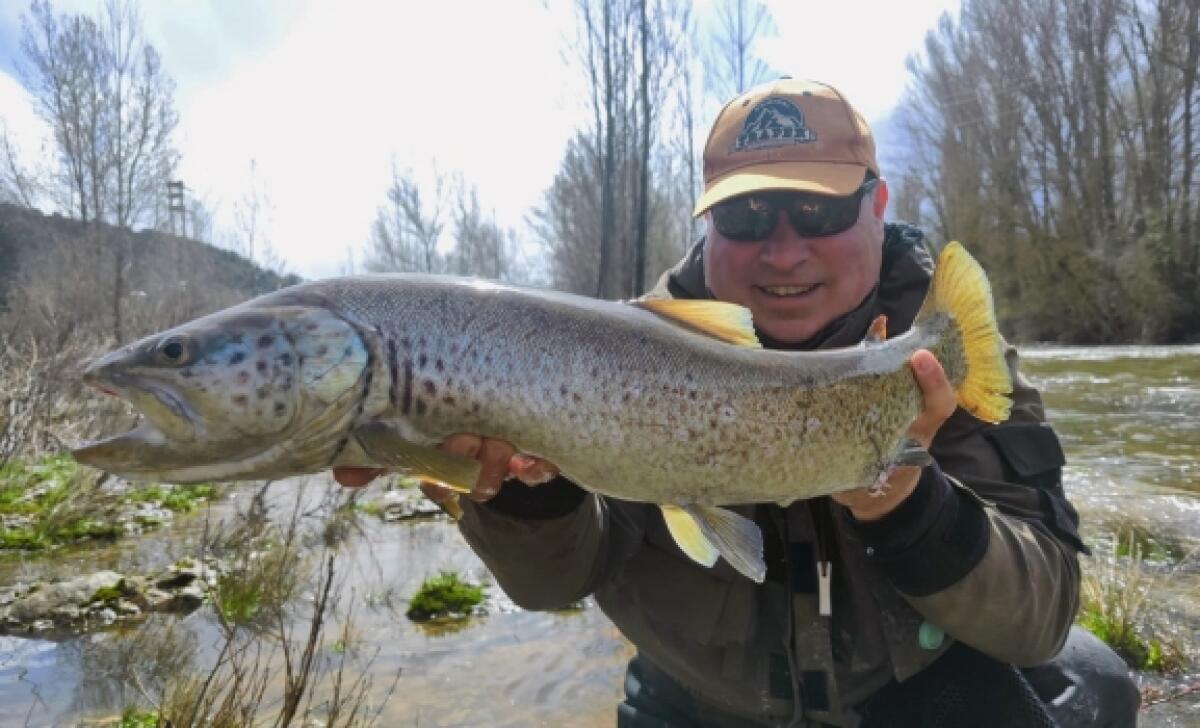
(803, 475)
(912, 607)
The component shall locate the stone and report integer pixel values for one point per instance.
(77, 592)
(400, 505)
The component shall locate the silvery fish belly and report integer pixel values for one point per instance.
(670, 402)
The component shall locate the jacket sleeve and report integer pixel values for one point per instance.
(552, 544)
(986, 548)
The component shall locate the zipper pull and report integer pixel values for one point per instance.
(824, 577)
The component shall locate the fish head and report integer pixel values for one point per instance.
(226, 395)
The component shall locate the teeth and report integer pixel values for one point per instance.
(788, 290)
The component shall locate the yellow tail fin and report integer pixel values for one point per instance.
(961, 290)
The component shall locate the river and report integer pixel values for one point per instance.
(1129, 419)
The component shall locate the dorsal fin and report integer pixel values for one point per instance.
(877, 334)
(723, 321)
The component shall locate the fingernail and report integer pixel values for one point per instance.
(923, 364)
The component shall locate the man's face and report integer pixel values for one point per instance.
(793, 285)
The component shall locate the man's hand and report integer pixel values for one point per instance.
(498, 459)
(939, 405)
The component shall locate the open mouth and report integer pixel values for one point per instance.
(790, 292)
(162, 415)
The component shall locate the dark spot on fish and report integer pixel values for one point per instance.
(430, 387)
(261, 392)
(448, 399)
(439, 365)
(420, 341)
(260, 365)
(243, 377)
(687, 377)
(562, 390)
(406, 399)
(237, 358)
(651, 401)
(393, 372)
(280, 409)
(487, 359)
(241, 400)
(322, 350)
(286, 384)
(236, 338)
(420, 406)
(310, 326)
(422, 360)
(265, 340)
(595, 372)
(285, 359)
(475, 408)
(348, 351)
(693, 395)
(626, 397)
(186, 373)
(712, 424)
(576, 398)
(405, 342)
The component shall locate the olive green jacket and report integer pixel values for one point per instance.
(986, 556)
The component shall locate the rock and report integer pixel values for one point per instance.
(126, 608)
(399, 505)
(41, 625)
(106, 615)
(42, 603)
(183, 573)
(156, 600)
(187, 598)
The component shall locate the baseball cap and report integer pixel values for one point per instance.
(787, 134)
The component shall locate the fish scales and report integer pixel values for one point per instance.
(623, 401)
(667, 402)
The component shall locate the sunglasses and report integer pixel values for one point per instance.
(751, 218)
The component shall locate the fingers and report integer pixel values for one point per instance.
(531, 470)
(356, 477)
(493, 456)
(940, 401)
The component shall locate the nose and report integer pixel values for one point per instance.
(784, 248)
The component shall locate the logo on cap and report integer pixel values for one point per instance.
(773, 122)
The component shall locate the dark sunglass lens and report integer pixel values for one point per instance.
(817, 215)
(748, 218)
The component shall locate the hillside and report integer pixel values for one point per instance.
(59, 277)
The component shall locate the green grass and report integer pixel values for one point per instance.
(109, 594)
(239, 598)
(178, 498)
(444, 595)
(66, 513)
(371, 508)
(1115, 606)
(134, 718)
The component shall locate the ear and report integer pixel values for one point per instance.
(880, 198)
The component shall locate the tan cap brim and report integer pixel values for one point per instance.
(826, 178)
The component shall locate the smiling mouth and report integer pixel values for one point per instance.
(788, 291)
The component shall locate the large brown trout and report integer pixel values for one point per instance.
(663, 401)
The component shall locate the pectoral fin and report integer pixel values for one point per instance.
(384, 444)
(704, 531)
(912, 452)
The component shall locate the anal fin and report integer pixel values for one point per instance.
(705, 531)
(385, 445)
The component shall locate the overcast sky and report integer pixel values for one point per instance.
(323, 95)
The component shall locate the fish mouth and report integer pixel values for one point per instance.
(166, 426)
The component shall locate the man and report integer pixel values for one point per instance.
(938, 590)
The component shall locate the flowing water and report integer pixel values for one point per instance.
(1129, 418)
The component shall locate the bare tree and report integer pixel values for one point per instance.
(481, 247)
(408, 228)
(102, 89)
(732, 63)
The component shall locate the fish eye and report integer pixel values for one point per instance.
(173, 351)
